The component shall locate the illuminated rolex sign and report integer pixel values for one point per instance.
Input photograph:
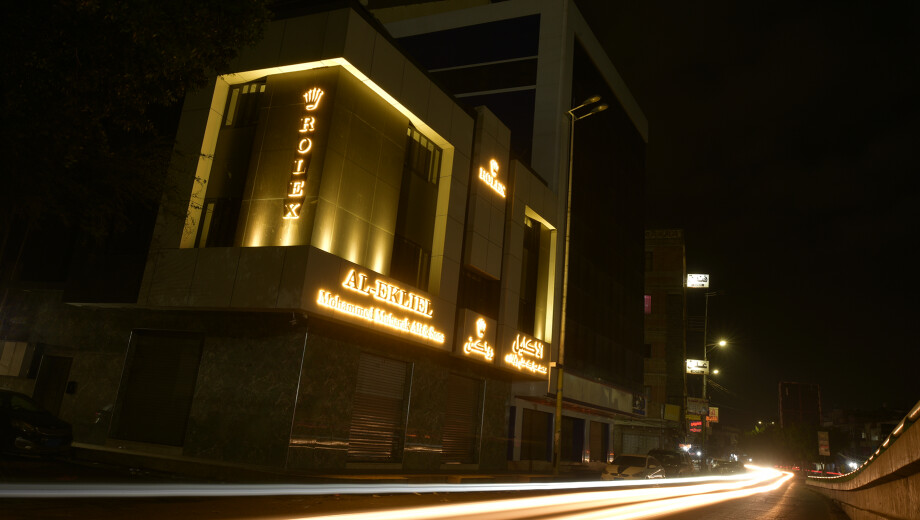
(491, 178)
(381, 303)
(293, 202)
(527, 355)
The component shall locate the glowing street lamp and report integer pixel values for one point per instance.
(557, 434)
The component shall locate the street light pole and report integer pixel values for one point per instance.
(705, 421)
(557, 426)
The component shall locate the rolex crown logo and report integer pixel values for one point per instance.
(312, 97)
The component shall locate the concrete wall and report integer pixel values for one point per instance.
(886, 487)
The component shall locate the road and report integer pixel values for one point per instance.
(137, 496)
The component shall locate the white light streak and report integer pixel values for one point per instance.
(593, 501)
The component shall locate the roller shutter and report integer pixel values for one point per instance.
(463, 410)
(379, 410)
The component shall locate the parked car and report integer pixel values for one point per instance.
(633, 467)
(28, 429)
(727, 467)
(677, 463)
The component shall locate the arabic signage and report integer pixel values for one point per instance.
(696, 426)
(697, 280)
(713, 416)
(527, 355)
(476, 336)
(697, 366)
(382, 303)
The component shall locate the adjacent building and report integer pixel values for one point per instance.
(665, 328)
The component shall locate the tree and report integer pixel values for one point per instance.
(89, 96)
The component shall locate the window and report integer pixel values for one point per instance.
(529, 273)
(536, 290)
(220, 211)
(15, 358)
(418, 197)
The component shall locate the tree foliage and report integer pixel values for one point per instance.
(90, 93)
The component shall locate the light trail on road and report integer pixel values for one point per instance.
(592, 505)
(113, 490)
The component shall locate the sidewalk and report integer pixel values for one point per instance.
(190, 469)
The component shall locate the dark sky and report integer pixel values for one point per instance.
(783, 139)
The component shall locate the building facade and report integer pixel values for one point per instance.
(665, 327)
(355, 268)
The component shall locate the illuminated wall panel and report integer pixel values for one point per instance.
(286, 168)
(489, 182)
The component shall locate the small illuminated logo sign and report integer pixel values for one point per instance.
(479, 346)
(293, 203)
(390, 295)
(491, 177)
(697, 366)
(527, 354)
(697, 280)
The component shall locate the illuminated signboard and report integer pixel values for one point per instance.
(697, 366)
(479, 346)
(696, 426)
(491, 177)
(390, 295)
(697, 280)
(293, 202)
(527, 354)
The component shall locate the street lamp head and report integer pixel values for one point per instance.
(592, 99)
(722, 343)
(715, 371)
(600, 108)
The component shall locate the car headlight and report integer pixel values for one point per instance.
(23, 426)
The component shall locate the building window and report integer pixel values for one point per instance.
(378, 417)
(418, 197)
(220, 211)
(536, 274)
(478, 293)
(529, 275)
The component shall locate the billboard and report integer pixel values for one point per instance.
(697, 280)
(713, 414)
(697, 406)
(697, 366)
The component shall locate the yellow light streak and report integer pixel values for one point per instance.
(593, 505)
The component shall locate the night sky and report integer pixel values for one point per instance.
(783, 140)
